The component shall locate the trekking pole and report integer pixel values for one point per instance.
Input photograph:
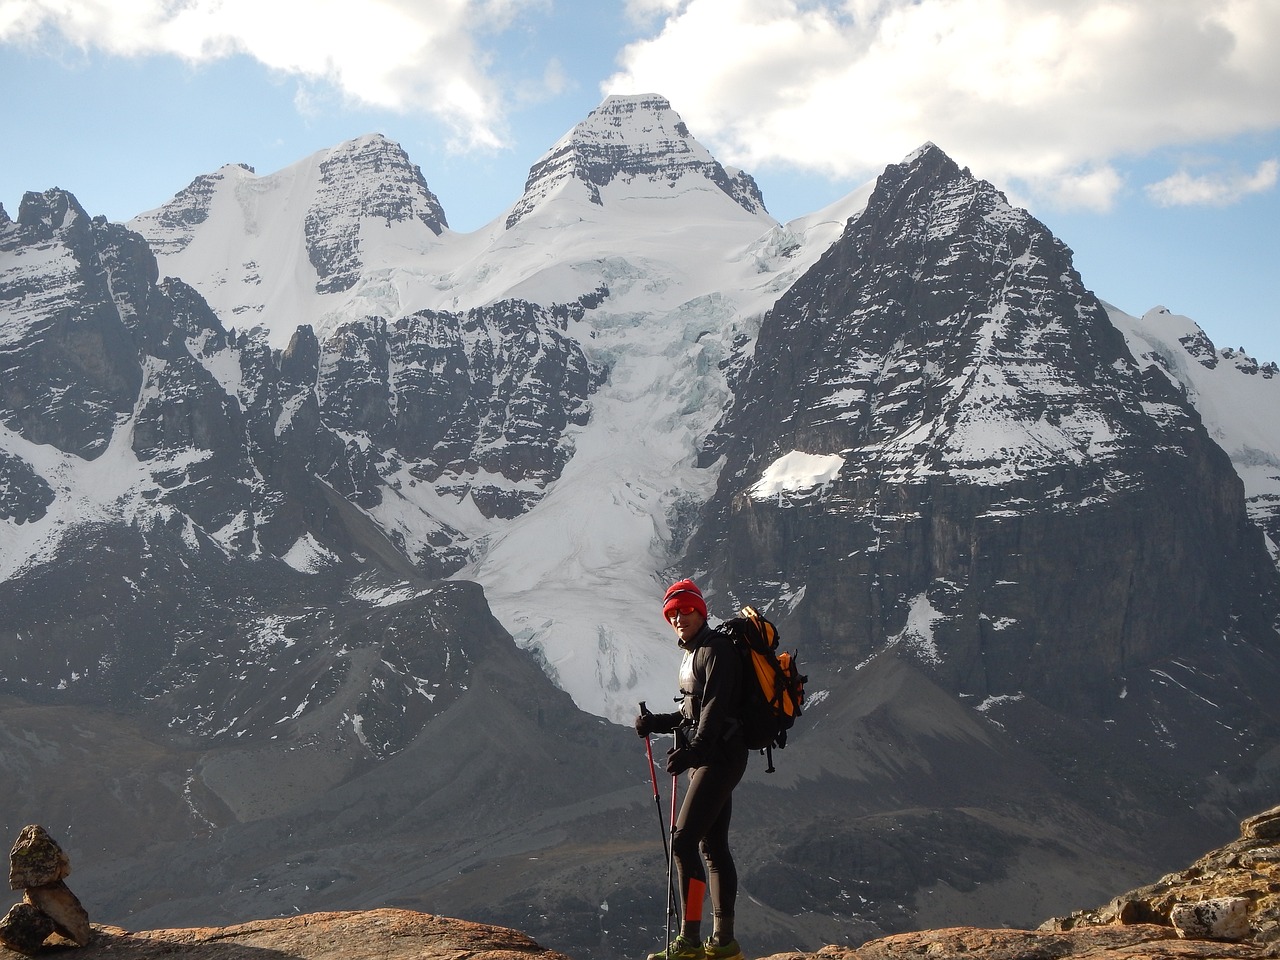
(653, 776)
(666, 849)
(671, 860)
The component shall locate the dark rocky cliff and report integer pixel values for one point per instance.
(74, 368)
(1017, 500)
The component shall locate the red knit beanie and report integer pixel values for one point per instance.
(683, 593)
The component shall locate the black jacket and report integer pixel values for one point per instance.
(711, 685)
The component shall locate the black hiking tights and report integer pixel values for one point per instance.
(703, 825)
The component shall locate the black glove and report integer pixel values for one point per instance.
(650, 723)
(679, 760)
(644, 724)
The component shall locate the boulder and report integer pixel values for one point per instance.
(24, 928)
(36, 860)
(62, 907)
(1221, 918)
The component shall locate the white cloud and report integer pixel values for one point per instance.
(1089, 188)
(1220, 190)
(1043, 96)
(642, 11)
(397, 55)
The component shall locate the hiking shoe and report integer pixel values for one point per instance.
(681, 948)
(714, 951)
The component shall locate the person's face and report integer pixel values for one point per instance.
(686, 621)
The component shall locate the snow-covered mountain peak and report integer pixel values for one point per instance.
(364, 184)
(377, 179)
(989, 364)
(628, 200)
(271, 251)
(638, 142)
(1161, 328)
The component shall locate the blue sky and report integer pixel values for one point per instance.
(1146, 135)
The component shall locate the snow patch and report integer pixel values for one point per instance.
(382, 596)
(986, 705)
(917, 636)
(797, 472)
(308, 555)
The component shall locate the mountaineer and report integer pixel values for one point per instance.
(709, 744)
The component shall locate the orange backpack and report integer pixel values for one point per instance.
(773, 687)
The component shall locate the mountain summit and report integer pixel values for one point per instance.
(362, 185)
(284, 250)
(638, 141)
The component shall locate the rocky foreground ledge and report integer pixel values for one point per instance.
(356, 935)
(405, 934)
(1225, 906)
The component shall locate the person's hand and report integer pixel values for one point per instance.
(644, 724)
(679, 760)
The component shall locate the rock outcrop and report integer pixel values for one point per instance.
(1226, 905)
(1231, 893)
(1141, 942)
(1139, 925)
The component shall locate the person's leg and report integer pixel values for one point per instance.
(710, 789)
(722, 872)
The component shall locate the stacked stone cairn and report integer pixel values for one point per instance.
(37, 866)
